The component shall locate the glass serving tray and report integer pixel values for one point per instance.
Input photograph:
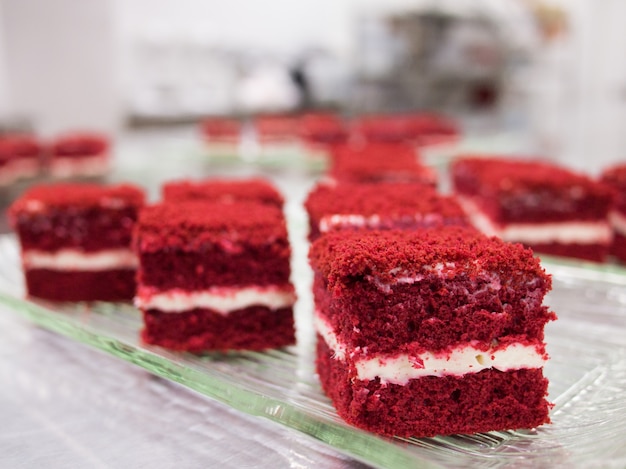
(587, 374)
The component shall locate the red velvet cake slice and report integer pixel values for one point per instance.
(430, 332)
(20, 158)
(376, 162)
(433, 129)
(547, 207)
(615, 178)
(76, 241)
(222, 135)
(318, 132)
(382, 128)
(379, 206)
(223, 190)
(79, 154)
(214, 276)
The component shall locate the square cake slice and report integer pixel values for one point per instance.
(348, 206)
(76, 240)
(379, 162)
(430, 332)
(79, 154)
(547, 207)
(20, 158)
(215, 276)
(224, 190)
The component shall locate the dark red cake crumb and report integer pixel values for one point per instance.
(223, 190)
(394, 205)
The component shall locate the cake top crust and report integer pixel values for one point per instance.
(53, 197)
(223, 190)
(192, 225)
(383, 199)
(476, 174)
(347, 256)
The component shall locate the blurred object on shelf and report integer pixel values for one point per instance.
(10, 124)
(222, 136)
(266, 86)
(443, 56)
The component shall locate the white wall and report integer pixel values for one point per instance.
(4, 85)
(61, 63)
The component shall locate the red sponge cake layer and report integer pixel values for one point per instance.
(413, 325)
(547, 207)
(76, 240)
(349, 206)
(208, 269)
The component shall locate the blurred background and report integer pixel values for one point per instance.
(551, 70)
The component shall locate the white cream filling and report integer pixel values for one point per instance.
(401, 368)
(220, 299)
(73, 259)
(329, 222)
(618, 222)
(87, 165)
(359, 221)
(598, 232)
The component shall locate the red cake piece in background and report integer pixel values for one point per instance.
(76, 241)
(215, 276)
(20, 158)
(223, 190)
(547, 207)
(430, 332)
(373, 163)
(79, 154)
(382, 128)
(275, 128)
(614, 177)
(221, 135)
(379, 206)
(323, 128)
